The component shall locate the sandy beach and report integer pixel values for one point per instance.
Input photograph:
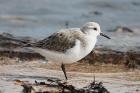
(121, 82)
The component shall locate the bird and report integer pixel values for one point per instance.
(68, 45)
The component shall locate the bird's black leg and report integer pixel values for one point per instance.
(64, 71)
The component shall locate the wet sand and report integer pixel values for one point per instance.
(123, 82)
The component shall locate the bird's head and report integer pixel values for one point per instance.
(93, 29)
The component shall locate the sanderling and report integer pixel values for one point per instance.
(68, 45)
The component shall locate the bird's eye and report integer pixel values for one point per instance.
(94, 28)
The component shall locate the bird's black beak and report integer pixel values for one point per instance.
(102, 34)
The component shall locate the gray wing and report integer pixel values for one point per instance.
(56, 42)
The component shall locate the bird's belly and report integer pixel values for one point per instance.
(67, 57)
(71, 55)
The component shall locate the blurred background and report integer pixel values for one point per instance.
(39, 18)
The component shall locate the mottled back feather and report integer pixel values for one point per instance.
(60, 41)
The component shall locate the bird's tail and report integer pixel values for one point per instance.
(23, 42)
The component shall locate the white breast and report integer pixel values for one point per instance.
(90, 41)
(79, 51)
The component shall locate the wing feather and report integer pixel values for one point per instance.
(59, 41)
